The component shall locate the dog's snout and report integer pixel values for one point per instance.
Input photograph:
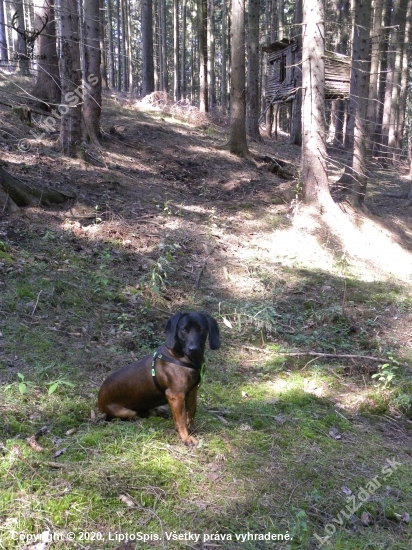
(192, 348)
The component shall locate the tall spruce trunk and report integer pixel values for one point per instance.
(124, 50)
(92, 84)
(20, 45)
(165, 76)
(359, 94)
(47, 87)
(183, 54)
(399, 44)
(4, 54)
(387, 116)
(147, 48)
(211, 79)
(253, 104)
(120, 59)
(403, 91)
(314, 167)
(223, 74)
(176, 79)
(71, 79)
(112, 66)
(202, 33)
(296, 122)
(103, 64)
(374, 74)
(237, 137)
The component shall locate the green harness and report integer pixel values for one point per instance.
(158, 355)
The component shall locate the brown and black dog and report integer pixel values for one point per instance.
(172, 375)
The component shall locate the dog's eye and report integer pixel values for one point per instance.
(183, 330)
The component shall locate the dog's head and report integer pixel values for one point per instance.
(186, 333)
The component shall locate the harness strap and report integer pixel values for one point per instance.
(158, 355)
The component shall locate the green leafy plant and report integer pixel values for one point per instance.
(387, 373)
(23, 386)
(4, 247)
(54, 386)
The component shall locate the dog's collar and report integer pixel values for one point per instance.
(159, 355)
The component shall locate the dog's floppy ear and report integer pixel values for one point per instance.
(214, 335)
(171, 330)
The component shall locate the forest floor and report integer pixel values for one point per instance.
(297, 436)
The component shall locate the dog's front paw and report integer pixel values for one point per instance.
(190, 441)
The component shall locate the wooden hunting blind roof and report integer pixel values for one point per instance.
(284, 72)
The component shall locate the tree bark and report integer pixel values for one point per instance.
(112, 72)
(314, 168)
(374, 75)
(176, 79)
(378, 149)
(202, 33)
(120, 60)
(103, 64)
(4, 54)
(387, 117)
(183, 53)
(211, 79)
(399, 44)
(359, 93)
(296, 123)
(223, 77)
(92, 86)
(20, 45)
(237, 138)
(252, 118)
(147, 48)
(165, 77)
(403, 92)
(47, 87)
(70, 72)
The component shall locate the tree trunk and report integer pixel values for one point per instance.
(71, 83)
(129, 47)
(112, 72)
(375, 58)
(359, 93)
(156, 47)
(20, 45)
(237, 139)
(4, 54)
(103, 64)
(176, 79)
(223, 76)
(165, 76)
(147, 48)
(314, 168)
(253, 110)
(120, 60)
(92, 103)
(202, 33)
(296, 123)
(403, 92)
(399, 44)
(124, 50)
(183, 54)
(47, 87)
(280, 19)
(387, 117)
(211, 79)
(383, 65)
